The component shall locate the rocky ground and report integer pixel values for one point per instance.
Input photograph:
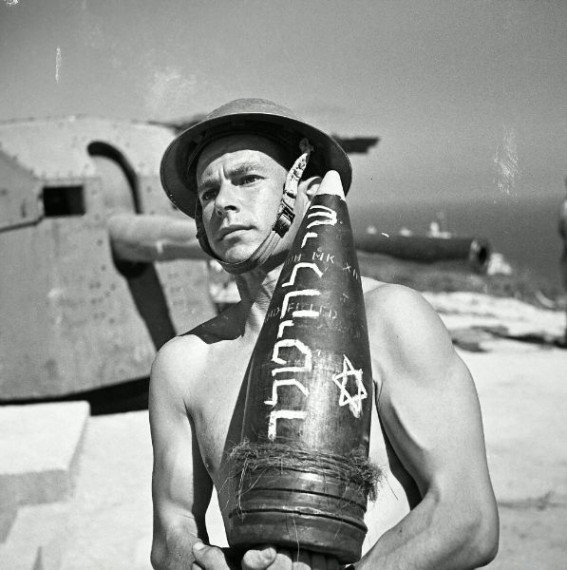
(521, 377)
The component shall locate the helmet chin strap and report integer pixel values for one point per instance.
(284, 219)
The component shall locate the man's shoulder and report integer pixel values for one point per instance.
(177, 362)
(181, 348)
(409, 342)
(189, 351)
(379, 295)
(225, 326)
(398, 314)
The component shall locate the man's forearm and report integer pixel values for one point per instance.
(431, 537)
(175, 551)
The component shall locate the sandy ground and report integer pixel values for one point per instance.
(523, 393)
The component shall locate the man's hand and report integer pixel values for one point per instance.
(213, 558)
(290, 560)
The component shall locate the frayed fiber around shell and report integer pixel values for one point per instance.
(353, 469)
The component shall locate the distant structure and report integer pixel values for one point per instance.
(85, 228)
(435, 246)
(498, 265)
(351, 145)
(563, 261)
(83, 219)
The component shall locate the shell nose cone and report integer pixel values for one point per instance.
(331, 185)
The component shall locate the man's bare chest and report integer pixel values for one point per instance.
(219, 407)
(218, 410)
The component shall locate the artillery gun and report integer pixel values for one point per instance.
(85, 228)
(83, 219)
(86, 297)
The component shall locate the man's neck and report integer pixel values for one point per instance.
(256, 288)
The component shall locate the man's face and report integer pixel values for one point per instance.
(240, 181)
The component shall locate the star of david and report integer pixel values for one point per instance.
(350, 374)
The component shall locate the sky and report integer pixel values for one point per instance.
(469, 98)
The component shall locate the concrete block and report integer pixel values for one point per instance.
(8, 510)
(38, 538)
(40, 446)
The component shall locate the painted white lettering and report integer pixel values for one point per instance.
(290, 343)
(329, 216)
(304, 265)
(291, 382)
(308, 235)
(302, 293)
(282, 414)
(283, 325)
(306, 313)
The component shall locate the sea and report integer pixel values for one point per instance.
(523, 230)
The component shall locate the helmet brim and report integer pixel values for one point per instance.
(174, 170)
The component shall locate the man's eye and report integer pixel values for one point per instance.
(207, 195)
(249, 179)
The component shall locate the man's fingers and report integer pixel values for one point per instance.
(283, 559)
(306, 560)
(331, 563)
(209, 557)
(259, 559)
(321, 562)
(302, 560)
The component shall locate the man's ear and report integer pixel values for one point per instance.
(310, 186)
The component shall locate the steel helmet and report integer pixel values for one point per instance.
(257, 116)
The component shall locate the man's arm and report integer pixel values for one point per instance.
(181, 486)
(429, 410)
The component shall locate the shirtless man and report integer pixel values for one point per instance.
(436, 508)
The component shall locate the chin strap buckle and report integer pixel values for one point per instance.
(286, 216)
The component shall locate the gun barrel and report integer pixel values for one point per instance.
(148, 238)
(474, 252)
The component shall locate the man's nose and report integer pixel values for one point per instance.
(226, 199)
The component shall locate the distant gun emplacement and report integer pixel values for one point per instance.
(85, 229)
(139, 238)
(471, 254)
(83, 223)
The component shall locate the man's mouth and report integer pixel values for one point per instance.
(228, 230)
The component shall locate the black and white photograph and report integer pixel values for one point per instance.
(283, 284)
